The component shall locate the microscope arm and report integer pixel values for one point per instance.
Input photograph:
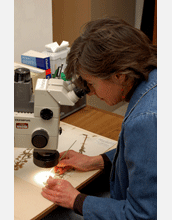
(40, 130)
(49, 95)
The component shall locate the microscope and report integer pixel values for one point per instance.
(37, 116)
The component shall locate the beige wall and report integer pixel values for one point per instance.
(138, 13)
(69, 16)
(125, 9)
(39, 22)
(32, 26)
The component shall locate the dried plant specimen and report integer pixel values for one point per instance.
(62, 176)
(22, 158)
(82, 150)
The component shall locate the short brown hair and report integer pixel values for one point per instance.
(108, 46)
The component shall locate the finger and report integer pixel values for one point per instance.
(49, 191)
(55, 184)
(49, 197)
(68, 154)
(63, 162)
(54, 189)
(66, 163)
(51, 181)
(62, 153)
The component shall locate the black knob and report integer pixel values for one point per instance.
(60, 130)
(40, 138)
(79, 92)
(46, 114)
(22, 75)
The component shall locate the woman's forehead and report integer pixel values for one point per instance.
(86, 76)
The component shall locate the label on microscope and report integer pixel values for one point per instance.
(22, 125)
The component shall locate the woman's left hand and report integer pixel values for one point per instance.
(60, 192)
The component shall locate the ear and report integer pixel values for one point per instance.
(118, 78)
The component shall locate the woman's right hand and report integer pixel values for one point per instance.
(79, 162)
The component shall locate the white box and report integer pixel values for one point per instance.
(56, 59)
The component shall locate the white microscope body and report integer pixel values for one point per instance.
(37, 122)
(41, 128)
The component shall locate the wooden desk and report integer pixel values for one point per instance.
(89, 118)
(97, 121)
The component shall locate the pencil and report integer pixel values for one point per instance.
(66, 151)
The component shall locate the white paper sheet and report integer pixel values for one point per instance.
(87, 143)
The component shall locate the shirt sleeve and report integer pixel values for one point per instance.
(107, 164)
(110, 154)
(78, 204)
(140, 153)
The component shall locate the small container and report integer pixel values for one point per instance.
(57, 59)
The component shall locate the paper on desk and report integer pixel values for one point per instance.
(87, 143)
(94, 144)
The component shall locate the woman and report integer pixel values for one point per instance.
(117, 62)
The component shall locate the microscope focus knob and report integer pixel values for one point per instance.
(46, 114)
(40, 138)
(60, 130)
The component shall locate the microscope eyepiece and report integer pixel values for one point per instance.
(81, 92)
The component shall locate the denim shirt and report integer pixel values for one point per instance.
(133, 181)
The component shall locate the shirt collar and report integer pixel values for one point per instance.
(141, 90)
